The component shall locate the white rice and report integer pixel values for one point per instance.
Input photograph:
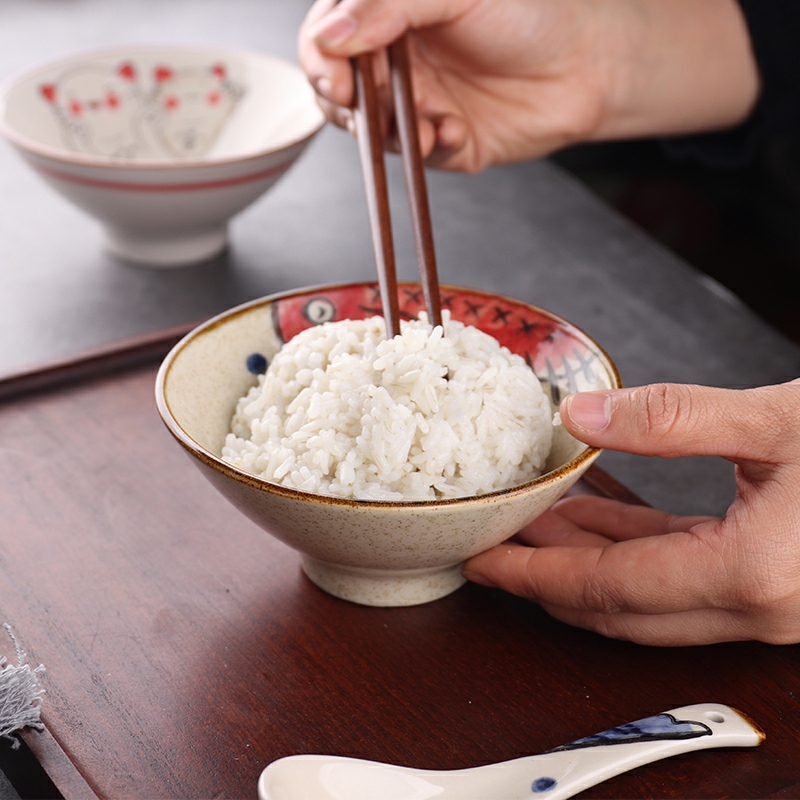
(343, 411)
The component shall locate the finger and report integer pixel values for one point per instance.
(316, 12)
(449, 137)
(332, 78)
(552, 529)
(338, 115)
(652, 575)
(331, 34)
(443, 135)
(443, 131)
(441, 140)
(678, 420)
(360, 26)
(704, 626)
(618, 521)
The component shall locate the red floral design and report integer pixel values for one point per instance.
(162, 74)
(104, 110)
(127, 71)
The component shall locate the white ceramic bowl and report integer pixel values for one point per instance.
(163, 145)
(374, 553)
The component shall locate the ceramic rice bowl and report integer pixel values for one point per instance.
(369, 552)
(161, 144)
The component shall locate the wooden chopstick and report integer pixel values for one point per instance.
(370, 148)
(414, 169)
(370, 142)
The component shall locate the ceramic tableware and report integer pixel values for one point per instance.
(162, 144)
(555, 775)
(375, 553)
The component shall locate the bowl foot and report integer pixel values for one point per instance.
(166, 250)
(376, 587)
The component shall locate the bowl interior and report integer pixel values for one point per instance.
(161, 104)
(207, 373)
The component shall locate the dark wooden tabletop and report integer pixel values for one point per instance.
(185, 650)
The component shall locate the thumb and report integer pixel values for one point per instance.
(674, 420)
(358, 26)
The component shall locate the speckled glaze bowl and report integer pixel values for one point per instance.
(161, 144)
(374, 553)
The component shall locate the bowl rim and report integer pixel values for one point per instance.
(63, 156)
(574, 465)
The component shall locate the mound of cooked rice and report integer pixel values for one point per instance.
(429, 414)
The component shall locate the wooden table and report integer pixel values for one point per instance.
(185, 650)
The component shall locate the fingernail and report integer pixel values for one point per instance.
(450, 133)
(589, 410)
(335, 29)
(323, 87)
(476, 577)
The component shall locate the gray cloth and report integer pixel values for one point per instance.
(20, 694)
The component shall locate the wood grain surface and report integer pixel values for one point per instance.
(185, 650)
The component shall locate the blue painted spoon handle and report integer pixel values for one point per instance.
(571, 768)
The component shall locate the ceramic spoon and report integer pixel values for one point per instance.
(554, 775)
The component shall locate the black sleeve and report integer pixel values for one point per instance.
(774, 27)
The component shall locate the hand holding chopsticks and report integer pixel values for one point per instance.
(370, 143)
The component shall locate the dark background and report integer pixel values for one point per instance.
(741, 226)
